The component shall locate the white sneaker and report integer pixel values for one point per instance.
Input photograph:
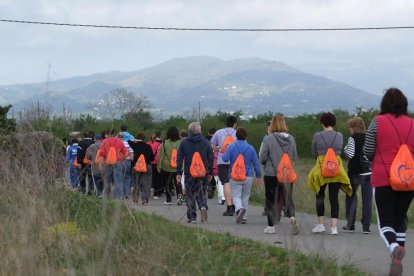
(155, 197)
(167, 203)
(319, 228)
(269, 230)
(334, 230)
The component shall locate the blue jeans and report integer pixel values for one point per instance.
(113, 175)
(194, 192)
(74, 175)
(240, 191)
(126, 176)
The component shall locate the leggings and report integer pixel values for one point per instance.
(392, 207)
(333, 200)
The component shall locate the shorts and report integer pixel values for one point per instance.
(223, 173)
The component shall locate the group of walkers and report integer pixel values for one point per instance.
(186, 163)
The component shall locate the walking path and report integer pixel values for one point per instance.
(366, 252)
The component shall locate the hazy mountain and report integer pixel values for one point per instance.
(253, 85)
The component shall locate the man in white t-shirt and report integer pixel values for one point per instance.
(217, 142)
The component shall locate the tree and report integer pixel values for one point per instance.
(6, 125)
(119, 103)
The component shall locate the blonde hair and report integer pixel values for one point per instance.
(278, 124)
(357, 125)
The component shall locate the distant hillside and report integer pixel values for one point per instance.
(253, 85)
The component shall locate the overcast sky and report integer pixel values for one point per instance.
(360, 58)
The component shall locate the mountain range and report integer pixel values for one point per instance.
(252, 85)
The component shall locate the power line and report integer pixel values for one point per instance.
(210, 29)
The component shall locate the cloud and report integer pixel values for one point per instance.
(27, 49)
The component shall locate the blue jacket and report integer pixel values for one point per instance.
(186, 150)
(250, 157)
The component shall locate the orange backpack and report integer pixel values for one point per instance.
(402, 166)
(141, 165)
(86, 161)
(75, 163)
(227, 141)
(238, 171)
(173, 159)
(111, 157)
(197, 168)
(285, 171)
(98, 159)
(330, 164)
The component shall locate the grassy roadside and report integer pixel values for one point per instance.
(61, 232)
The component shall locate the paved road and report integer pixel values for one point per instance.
(367, 252)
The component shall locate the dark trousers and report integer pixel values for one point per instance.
(194, 193)
(351, 202)
(156, 181)
(278, 197)
(141, 182)
(166, 178)
(85, 173)
(392, 207)
(333, 200)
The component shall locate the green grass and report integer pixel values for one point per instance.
(63, 232)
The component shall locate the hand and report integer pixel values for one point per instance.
(159, 170)
(257, 181)
(209, 177)
(178, 178)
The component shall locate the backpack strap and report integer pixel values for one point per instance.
(333, 141)
(280, 145)
(399, 138)
(271, 160)
(396, 130)
(248, 147)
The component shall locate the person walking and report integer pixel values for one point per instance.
(141, 181)
(321, 142)
(218, 143)
(241, 188)
(386, 132)
(113, 172)
(126, 163)
(194, 184)
(277, 194)
(85, 177)
(156, 179)
(91, 153)
(359, 173)
(164, 166)
(70, 159)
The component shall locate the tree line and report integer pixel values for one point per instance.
(121, 107)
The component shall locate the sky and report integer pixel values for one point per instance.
(369, 60)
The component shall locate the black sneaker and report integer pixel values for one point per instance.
(349, 228)
(366, 230)
(244, 221)
(228, 213)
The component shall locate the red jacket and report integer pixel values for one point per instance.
(387, 144)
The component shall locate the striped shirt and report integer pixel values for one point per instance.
(371, 139)
(350, 148)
